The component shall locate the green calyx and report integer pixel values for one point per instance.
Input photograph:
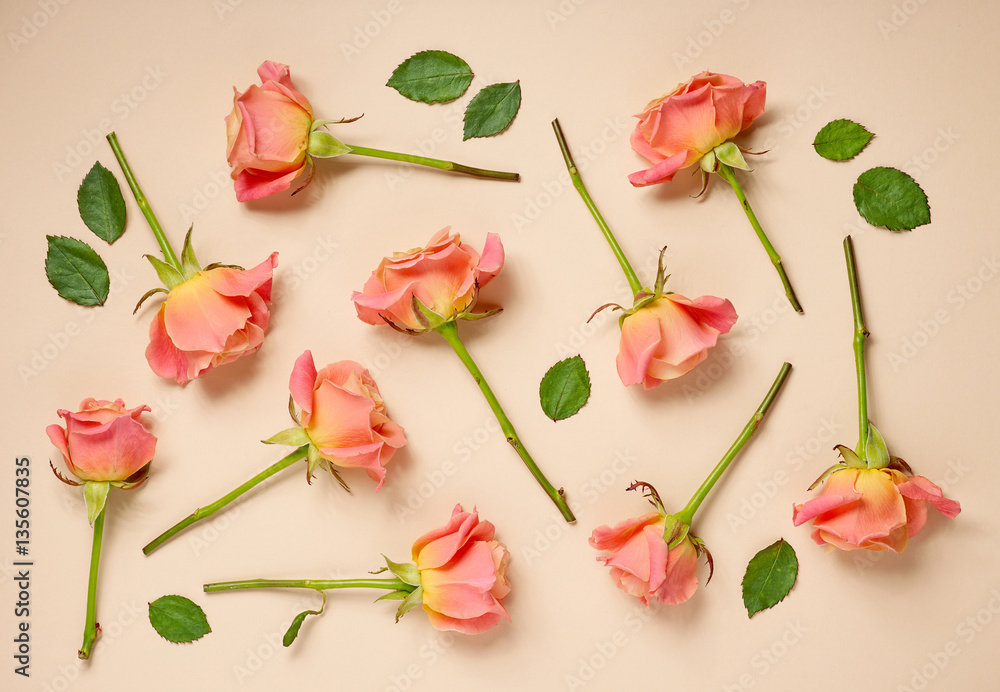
(411, 597)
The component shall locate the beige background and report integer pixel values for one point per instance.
(919, 74)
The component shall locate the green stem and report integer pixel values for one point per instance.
(727, 174)
(449, 330)
(140, 198)
(393, 584)
(91, 629)
(574, 174)
(687, 514)
(450, 166)
(211, 509)
(860, 334)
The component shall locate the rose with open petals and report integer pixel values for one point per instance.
(642, 565)
(668, 336)
(212, 318)
(105, 441)
(268, 135)
(872, 509)
(463, 574)
(676, 130)
(445, 276)
(342, 412)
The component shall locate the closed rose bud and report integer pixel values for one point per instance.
(213, 318)
(641, 563)
(104, 441)
(873, 509)
(445, 276)
(677, 130)
(463, 574)
(268, 135)
(668, 336)
(343, 415)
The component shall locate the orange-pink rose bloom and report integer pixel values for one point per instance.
(676, 130)
(445, 275)
(213, 318)
(463, 574)
(873, 509)
(667, 337)
(104, 440)
(268, 134)
(344, 416)
(642, 566)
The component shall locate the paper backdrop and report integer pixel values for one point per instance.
(161, 75)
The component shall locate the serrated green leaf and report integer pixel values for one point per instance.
(492, 110)
(769, 577)
(565, 388)
(178, 619)
(841, 140)
(431, 76)
(76, 272)
(888, 197)
(101, 204)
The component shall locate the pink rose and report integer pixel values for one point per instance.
(463, 574)
(873, 509)
(343, 414)
(445, 276)
(676, 130)
(268, 135)
(642, 565)
(104, 441)
(213, 318)
(668, 336)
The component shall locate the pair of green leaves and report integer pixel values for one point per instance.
(73, 268)
(883, 196)
(436, 76)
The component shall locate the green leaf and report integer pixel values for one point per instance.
(431, 76)
(769, 577)
(492, 110)
(841, 140)
(293, 629)
(76, 272)
(178, 619)
(101, 204)
(565, 388)
(167, 273)
(95, 494)
(888, 197)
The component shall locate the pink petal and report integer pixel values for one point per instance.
(461, 588)
(437, 547)
(472, 626)
(613, 539)
(639, 341)
(339, 419)
(242, 282)
(251, 185)
(877, 515)
(301, 384)
(492, 259)
(197, 318)
(166, 360)
(717, 313)
(680, 574)
(819, 505)
(660, 173)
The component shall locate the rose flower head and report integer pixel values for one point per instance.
(210, 317)
(418, 290)
(341, 417)
(875, 503)
(694, 123)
